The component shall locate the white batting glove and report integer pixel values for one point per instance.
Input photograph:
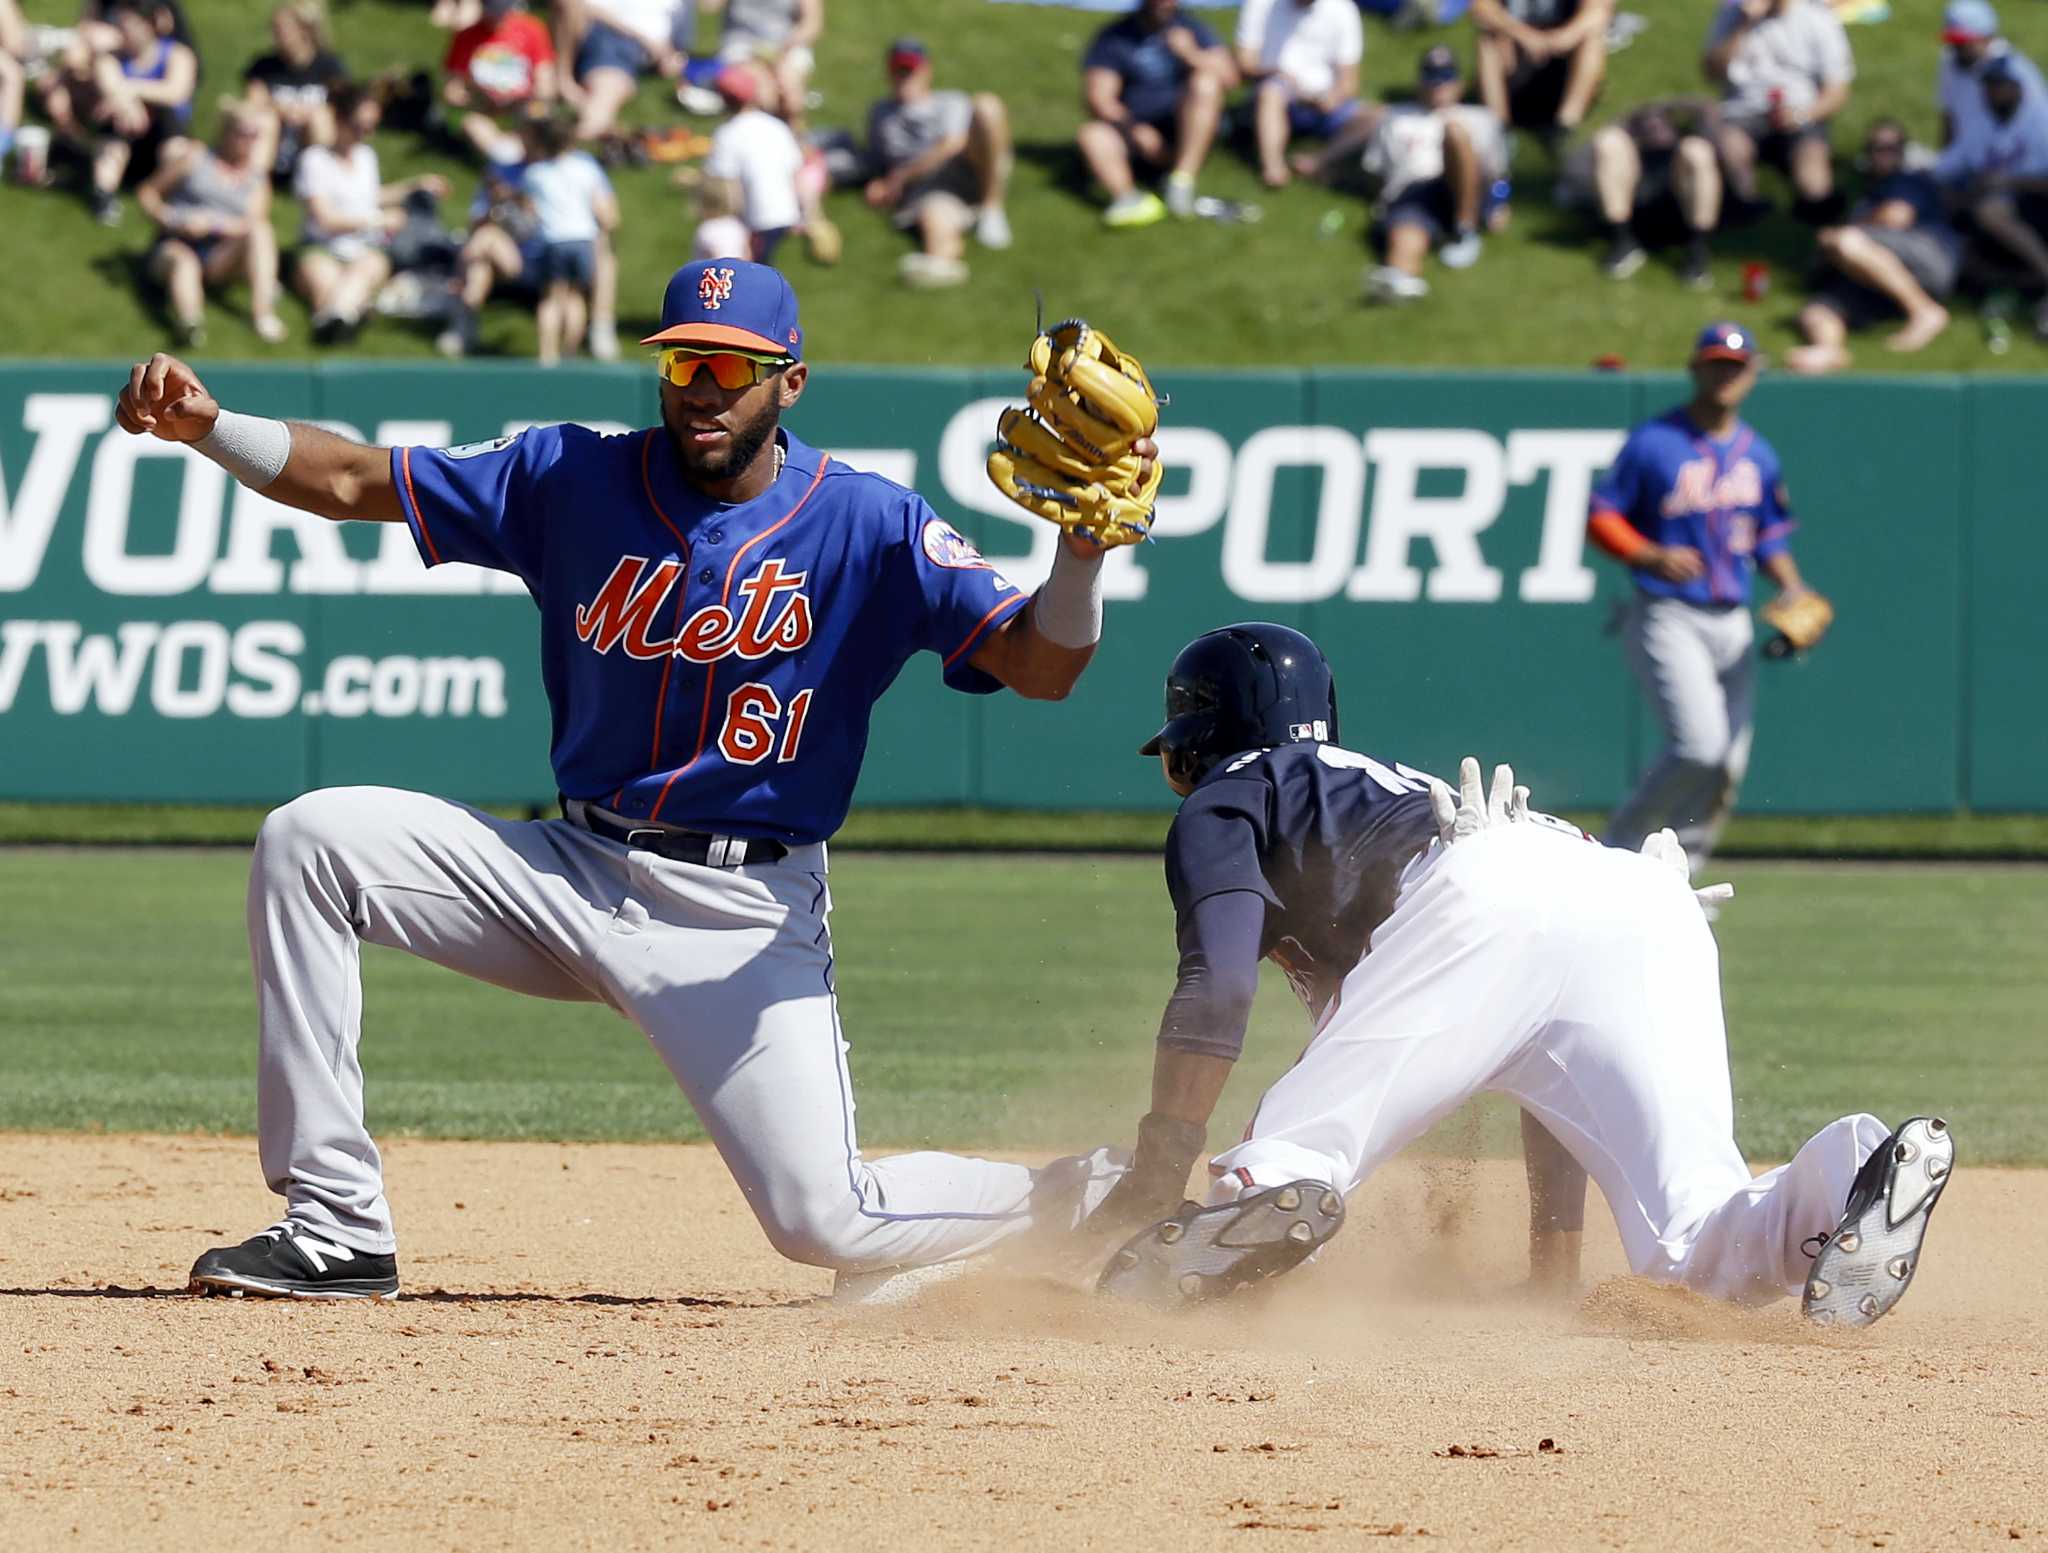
(1663, 848)
(1472, 811)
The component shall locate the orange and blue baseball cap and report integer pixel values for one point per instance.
(1724, 341)
(730, 304)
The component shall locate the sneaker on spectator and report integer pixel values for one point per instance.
(992, 227)
(930, 272)
(604, 339)
(191, 336)
(1138, 208)
(1697, 269)
(701, 101)
(1384, 283)
(270, 329)
(457, 339)
(106, 209)
(1180, 194)
(1624, 257)
(1462, 251)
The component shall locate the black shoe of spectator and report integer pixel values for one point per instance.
(1624, 257)
(1697, 269)
(1740, 212)
(328, 328)
(106, 209)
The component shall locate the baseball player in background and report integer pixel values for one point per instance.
(720, 606)
(1695, 504)
(1442, 949)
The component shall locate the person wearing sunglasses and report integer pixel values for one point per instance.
(720, 607)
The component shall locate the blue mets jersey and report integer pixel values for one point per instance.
(1677, 486)
(1317, 837)
(709, 665)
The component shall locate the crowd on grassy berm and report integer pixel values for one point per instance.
(532, 98)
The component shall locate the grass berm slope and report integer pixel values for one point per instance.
(989, 1004)
(1191, 295)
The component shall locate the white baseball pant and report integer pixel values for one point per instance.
(728, 971)
(1697, 667)
(1584, 982)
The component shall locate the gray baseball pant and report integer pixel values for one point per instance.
(729, 972)
(1696, 664)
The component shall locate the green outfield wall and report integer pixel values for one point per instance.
(168, 636)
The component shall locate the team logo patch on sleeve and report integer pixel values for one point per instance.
(945, 545)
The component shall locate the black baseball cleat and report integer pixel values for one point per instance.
(289, 1261)
(1862, 1268)
(1205, 1253)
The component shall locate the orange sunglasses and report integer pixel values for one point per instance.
(730, 370)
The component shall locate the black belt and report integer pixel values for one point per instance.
(683, 846)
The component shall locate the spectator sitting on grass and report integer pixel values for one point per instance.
(1785, 69)
(500, 256)
(122, 108)
(758, 153)
(211, 207)
(1897, 254)
(350, 213)
(13, 72)
(1303, 57)
(287, 88)
(1999, 172)
(1541, 62)
(1969, 28)
(779, 35)
(574, 209)
(496, 67)
(1152, 88)
(1656, 181)
(618, 42)
(720, 234)
(1438, 160)
(943, 161)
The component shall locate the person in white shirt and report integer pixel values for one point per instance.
(619, 42)
(759, 153)
(1439, 162)
(1541, 62)
(1784, 68)
(350, 213)
(1998, 171)
(1303, 57)
(574, 209)
(1969, 28)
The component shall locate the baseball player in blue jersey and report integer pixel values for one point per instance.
(1694, 505)
(1442, 948)
(720, 606)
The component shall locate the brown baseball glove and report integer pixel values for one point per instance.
(1799, 620)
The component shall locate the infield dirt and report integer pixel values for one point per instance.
(597, 1349)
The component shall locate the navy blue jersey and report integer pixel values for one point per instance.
(1318, 836)
(708, 665)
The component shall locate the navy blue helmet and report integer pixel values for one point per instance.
(1244, 687)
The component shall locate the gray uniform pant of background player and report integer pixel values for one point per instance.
(729, 972)
(1696, 664)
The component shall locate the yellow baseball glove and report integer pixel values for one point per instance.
(1800, 622)
(1070, 456)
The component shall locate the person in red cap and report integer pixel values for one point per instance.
(942, 165)
(758, 154)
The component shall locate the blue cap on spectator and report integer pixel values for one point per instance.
(1968, 21)
(729, 304)
(1438, 66)
(1724, 341)
(1999, 68)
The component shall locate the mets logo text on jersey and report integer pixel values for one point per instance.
(713, 288)
(774, 614)
(1695, 488)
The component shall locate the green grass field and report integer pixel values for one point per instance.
(986, 1006)
(1191, 295)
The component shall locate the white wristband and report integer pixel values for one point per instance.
(252, 448)
(1068, 610)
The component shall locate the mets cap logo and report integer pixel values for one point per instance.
(713, 288)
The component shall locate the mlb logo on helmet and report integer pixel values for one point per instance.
(731, 305)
